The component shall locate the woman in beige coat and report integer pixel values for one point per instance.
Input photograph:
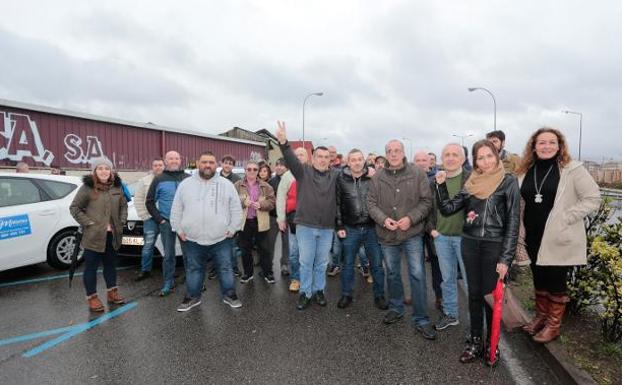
(558, 194)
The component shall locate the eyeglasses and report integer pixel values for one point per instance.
(252, 169)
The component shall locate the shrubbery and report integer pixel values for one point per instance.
(599, 283)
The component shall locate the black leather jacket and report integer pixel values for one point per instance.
(495, 219)
(352, 199)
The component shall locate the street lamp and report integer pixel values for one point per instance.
(411, 147)
(462, 137)
(580, 126)
(303, 114)
(471, 89)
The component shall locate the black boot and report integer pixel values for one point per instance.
(303, 302)
(472, 350)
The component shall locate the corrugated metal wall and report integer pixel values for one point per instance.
(43, 139)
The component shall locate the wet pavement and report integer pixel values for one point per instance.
(267, 341)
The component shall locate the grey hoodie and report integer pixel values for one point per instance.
(205, 210)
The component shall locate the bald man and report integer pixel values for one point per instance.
(159, 202)
(446, 232)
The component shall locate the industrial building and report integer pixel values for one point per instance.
(45, 137)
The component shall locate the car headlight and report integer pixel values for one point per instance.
(131, 225)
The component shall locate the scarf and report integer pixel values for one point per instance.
(482, 185)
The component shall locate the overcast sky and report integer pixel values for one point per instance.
(390, 69)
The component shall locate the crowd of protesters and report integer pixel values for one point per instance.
(469, 220)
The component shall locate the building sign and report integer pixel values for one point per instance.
(75, 149)
(20, 140)
(14, 226)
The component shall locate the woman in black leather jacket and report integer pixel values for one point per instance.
(490, 200)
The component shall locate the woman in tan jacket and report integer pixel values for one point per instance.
(257, 199)
(101, 209)
(558, 194)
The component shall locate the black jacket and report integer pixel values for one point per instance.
(316, 203)
(352, 199)
(495, 219)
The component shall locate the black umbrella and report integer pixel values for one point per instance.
(74, 254)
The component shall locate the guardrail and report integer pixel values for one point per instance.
(611, 193)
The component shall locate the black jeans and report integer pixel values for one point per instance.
(92, 260)
(250, 237)
(552, 279)
(437, 277)
(270, 241)
(480, 261)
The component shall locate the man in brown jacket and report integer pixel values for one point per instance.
(399, 201)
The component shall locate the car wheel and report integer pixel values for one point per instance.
(61, 248)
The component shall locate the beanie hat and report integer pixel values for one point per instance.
(101, 161)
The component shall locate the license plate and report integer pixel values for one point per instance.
(133, 241)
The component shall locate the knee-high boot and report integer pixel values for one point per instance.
(556, 309)
(539, 321)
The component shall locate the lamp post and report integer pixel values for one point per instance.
(303, 114)
(494, 101)
(461, 138)
(580, 126)
(411, 147)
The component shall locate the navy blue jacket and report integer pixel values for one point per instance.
(161, 193)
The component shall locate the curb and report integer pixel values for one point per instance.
(559, 361)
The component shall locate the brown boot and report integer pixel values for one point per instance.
(114, 297)
(94, 303)
(539, 321)
(557, 307)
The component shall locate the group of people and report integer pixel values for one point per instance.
(468, 220)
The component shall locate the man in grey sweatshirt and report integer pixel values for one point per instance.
(206, 214)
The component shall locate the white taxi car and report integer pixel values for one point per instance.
(35, 223)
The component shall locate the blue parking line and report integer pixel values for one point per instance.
(77, 329)
(54, 277)
(28, 337)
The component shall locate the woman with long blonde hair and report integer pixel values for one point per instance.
(558, 193)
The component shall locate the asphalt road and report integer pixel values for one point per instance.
(267, 341)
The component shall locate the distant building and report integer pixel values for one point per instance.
(308, 145)
(605, 172)
(263, 135)
(44, 137)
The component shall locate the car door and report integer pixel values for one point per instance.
(27, 220)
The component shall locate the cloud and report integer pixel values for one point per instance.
(396, 69)
(36, 69)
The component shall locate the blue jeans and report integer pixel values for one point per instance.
(197, 258)
(336, 251)
(314, 246)
(150, 233)
(413, 249)
(355, 238)
(363, 256)
(294, 257)
(169, 258)
(449, 257)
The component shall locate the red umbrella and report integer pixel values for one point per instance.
(495, 328)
